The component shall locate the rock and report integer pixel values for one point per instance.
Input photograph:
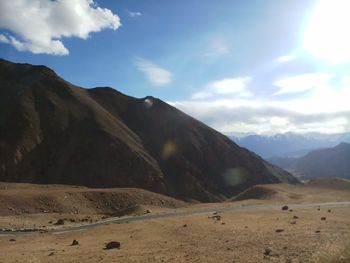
(293, 222)
(51, 254)
(290, 210)
(185, 225)
(75, 242)
(217, 217)
(12, 240)
(112, 245)
(295, 217)
(279, 230)
(59, 222)
(329, 211)
(267, 251)
(285, 207)
(223, 223)
(317, 231)
(323, 218)
(148, 211)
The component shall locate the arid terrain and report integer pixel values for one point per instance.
(252, 227)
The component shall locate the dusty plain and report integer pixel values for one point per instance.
(256, 232)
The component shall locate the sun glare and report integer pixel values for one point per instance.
(326, 33)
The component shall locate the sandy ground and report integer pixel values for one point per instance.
(262, 235)
(236, 237)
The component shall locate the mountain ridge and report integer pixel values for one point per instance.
(52, 131)
(289, 144)
(327, 162)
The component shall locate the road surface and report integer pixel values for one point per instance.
(129, 219)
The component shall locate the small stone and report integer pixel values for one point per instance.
(75, 242)
(329, 211)
(59, 222)
(185, 225)
(293, 222)
(317, 231)
(267, 251)
(148, 211)
(295, 217)
(279, 230)
(323, 218)
(112, 245)
(51, 254)
(12, 240)
(285, 207)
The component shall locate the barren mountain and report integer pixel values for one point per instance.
(328, 162)
(54, 132)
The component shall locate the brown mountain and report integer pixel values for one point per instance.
(54, 132)
(328, 162)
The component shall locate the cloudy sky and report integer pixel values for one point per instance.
(240, 66)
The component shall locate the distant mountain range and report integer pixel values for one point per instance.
(289, 144)
(52, 131)
(329, 162)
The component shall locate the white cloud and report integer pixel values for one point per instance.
(229, 86)
(133, 14)
(324, 110)
(155, 74)
(301, 83)
(286, 58)
(218, 47)
(40, 25)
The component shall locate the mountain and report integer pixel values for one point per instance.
(52, 131)
(289, 144)
(329, 162)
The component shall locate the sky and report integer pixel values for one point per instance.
(240, 66)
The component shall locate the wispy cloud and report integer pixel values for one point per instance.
(217, 47)
(155, 74)
(286, 58)
(133, 14)
(324, 110)
(40, 25)
(301, 83)
(229, 86)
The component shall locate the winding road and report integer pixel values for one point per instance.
(129, 219)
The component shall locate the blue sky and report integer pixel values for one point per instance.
(240, 66)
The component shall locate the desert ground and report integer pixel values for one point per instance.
(252, 227)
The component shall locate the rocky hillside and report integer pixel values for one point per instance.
(328, 162)
(54, 132)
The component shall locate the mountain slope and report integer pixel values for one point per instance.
(329, 162)
(289, 144)
(54, 132)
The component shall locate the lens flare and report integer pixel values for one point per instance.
(235, 176)
(169, 149)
